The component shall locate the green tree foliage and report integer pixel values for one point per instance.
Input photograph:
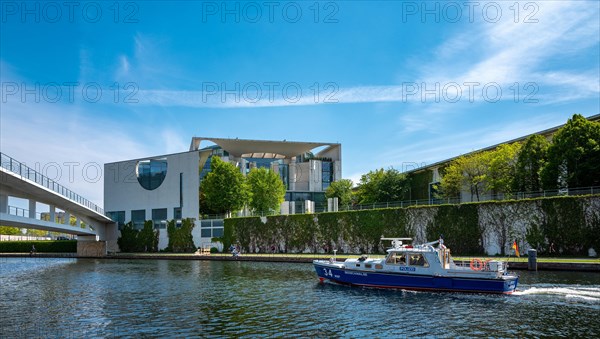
(180, 236)
(574, 155)
(144, 240)
(530, 161)
(224, 187)
(482, 172)
(7, 230)
(266, 189)
(382, 185)
(341, 189)
(419, 185)
(501, 168)
(466, 171)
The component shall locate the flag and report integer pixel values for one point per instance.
(516, 248)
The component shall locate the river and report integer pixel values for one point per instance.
(86, 298)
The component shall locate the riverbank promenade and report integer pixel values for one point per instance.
(543, 263)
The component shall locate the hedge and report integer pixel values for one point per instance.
(572, 224)
(42, 246)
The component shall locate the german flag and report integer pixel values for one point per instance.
(516, 248)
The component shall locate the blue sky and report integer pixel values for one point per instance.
(398, 83)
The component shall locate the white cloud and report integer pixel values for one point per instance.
(59, 141)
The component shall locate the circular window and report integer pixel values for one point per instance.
(151, 173)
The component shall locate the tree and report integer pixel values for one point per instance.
(530, 161)
(224, 187)
(502, 167)
(468, 170)
(267, 191)
(10, 230)
(574, 155)
(342, 190)
(382, 185)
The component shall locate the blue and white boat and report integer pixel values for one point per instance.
(419, 267)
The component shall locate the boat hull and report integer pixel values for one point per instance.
(505, 285)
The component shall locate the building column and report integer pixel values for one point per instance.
(52, 213)
(32, 206)
(292, 177)
(78, 222)
(3, 203)
(67, 217)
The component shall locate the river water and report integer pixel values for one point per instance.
(85, 298)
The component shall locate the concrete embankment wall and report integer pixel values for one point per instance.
(554, 226)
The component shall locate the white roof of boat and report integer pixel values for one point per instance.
(411, 249)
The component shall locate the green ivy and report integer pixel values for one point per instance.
(419, 184)
(459, 226)
(144, 240)
(180, 237)
(564, 223)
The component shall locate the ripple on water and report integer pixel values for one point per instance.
(150, 298)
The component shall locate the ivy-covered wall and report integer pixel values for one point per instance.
(419, 185)
(570, 224)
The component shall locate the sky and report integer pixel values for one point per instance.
(399, 84)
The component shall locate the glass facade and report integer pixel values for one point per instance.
(205, 168)
(158, 216)
(284, 174)
(327, 173)
(137, 218)
(300, 197)
(211, 228)
(151, 173)
(118, 217)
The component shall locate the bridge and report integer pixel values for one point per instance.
(96, 233)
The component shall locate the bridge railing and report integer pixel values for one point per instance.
(25, 171)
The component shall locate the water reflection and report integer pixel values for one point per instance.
(100, 298)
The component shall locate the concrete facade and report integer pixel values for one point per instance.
(126, 199)
(179, 189)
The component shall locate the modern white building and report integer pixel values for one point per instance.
(166, 187)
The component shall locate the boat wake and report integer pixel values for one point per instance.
(586, 294)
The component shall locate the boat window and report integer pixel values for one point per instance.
(418, 260)
(396, 259)
(367, 265)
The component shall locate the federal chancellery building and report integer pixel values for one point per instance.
(167, 187)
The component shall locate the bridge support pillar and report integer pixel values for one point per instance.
(89, 246)
(52, 213)
(3, 203)
(32, 206)
(67, 217)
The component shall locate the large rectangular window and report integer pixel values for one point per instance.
(137, 218)
(211, 228)
(327, 174)
(118, 217)
(158, 216)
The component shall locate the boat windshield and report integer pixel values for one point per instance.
(417, 259)
(396, 259)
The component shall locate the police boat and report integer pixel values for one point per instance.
(419, 267)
